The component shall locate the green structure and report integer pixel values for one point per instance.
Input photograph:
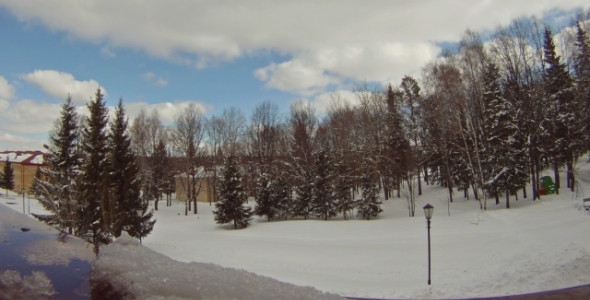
(548, 185)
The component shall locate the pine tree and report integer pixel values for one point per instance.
(582, 71)
(322, 197)
(281, 196)
(8, 176)
(94, 205)
(398, 146)
(56, 185)
(505, 152)
(159, 171)
(230, 207)
(265, 206)
(342, 190)
(564, 122)
(125, 183)
(369, 205)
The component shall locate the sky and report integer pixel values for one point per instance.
(165, 54)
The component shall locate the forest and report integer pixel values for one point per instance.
(483, 121)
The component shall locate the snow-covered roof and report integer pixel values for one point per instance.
(23, 157)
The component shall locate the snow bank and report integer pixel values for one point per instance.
(127, 269)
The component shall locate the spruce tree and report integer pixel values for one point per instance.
(125, 186)
(582, 72)
(94, 187)
(564, 122)
(342, 190)
(230, 207)
(505, 151)
(369, 205)
(281, 196)
(322, 197)
(159, 172)
(56, 186)
(8, 176)
(265, 205)
(398, 147)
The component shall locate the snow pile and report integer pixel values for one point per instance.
(125, 268)
(35, 286)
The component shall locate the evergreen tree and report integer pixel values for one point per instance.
(398, 151)
(265, 205)
(302, 201)
(8, 176)
(281, 196)
(564, 122)
(505, 151)
(582, 71)
(230, 207)
(342, 190)
(56, 185)
(159, 172)
(322, 198)
(94, 187)
(369, 205)
(125, 184)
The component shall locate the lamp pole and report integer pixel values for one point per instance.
(428, 222)
(23, 190)
(428, 209)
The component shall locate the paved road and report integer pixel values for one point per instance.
(573, 293)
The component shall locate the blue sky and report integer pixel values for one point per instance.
(220, 53)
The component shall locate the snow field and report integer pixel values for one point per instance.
(531, 247)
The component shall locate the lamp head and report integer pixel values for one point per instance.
(428, 209)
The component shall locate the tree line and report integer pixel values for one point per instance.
(484, 120)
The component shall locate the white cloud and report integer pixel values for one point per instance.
(295, 76)
(161, 82)
(327, 41)
(27, 116)
(151, 77)
(321, 102)
(6, 89)
(11, 142)
(166, 110)
(60, 84)
(148, 76)
(107, 52)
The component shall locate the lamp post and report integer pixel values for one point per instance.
(428, 214)
(23, 190)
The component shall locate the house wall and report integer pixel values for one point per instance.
(23, 175)
(206, 192)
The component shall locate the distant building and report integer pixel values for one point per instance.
(204, 184)
(25, 165)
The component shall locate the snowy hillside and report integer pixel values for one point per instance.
(532, 246)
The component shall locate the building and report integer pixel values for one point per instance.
(204, 184)
(25, 165)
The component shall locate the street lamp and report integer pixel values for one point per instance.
(428, 213)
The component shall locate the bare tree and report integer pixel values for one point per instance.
(186, 137)
(263, 135)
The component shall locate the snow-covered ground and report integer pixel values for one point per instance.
(533, 246)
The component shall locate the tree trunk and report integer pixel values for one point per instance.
(556, 176)
(497, 199)
(507, 199)
(419, 183)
